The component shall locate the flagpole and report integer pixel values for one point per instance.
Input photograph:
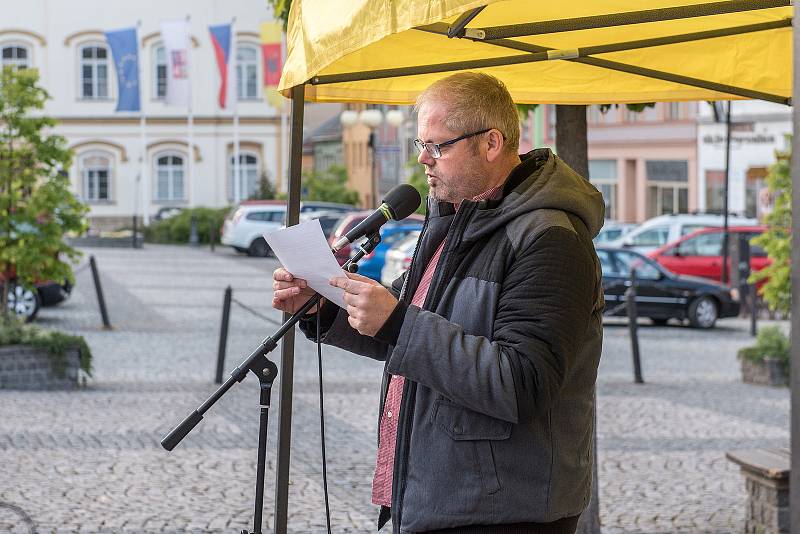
(144, 186)
(237, 175)
(190, 120)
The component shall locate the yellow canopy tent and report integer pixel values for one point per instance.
(576, 52)
(568, 52)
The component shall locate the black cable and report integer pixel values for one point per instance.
(322, 426)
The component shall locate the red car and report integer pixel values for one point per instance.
(700, 253)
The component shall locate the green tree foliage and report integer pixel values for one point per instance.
(281, 10)
(418, 179)
(777, 240)
(265, 191)
(36, 206)
(328, 186)
(177, 228)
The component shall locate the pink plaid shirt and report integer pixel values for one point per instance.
(384, 465)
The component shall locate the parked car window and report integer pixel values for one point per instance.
(645, 270)
(607, 264)
(703, 245)
(687, 229)
(655, 237)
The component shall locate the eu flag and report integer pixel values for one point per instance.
(125, 50)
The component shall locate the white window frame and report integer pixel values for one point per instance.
(154, 71)
(15, 61)
(171, 198)
(242, 167)
(95, 63)
(252, 68)
(84, 169)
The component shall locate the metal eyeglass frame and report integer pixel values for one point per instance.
(435, 149)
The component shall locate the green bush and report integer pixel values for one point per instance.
(57, 344)
(770, 343)
(176, 229)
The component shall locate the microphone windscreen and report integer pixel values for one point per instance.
(403, 200)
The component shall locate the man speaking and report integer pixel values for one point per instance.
(491, 339)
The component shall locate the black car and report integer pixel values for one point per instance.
(661, 294)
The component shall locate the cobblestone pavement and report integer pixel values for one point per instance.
(90, 461)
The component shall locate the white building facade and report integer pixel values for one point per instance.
(113, 170)
(759, 129)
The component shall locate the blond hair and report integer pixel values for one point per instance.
(475, 101)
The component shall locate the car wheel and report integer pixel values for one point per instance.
(703, 312)
(259, 248)
(23, 302)
(659, 321)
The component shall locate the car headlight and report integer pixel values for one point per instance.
(735, 293)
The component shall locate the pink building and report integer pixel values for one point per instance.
(644, 163)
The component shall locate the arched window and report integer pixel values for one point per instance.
(248, 176)
(169, 177)
(94, 72)
(159, 73)
(247, 72)
(95, 169)
(17, 56)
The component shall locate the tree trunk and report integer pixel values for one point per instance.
(572, 147)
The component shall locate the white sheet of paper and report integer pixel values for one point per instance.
(303, 251)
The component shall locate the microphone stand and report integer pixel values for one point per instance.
(266, 371)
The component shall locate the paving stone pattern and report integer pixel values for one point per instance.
(90, 460)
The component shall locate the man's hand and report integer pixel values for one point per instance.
(369, 304)
(290, 293)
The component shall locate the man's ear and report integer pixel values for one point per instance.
(496, 144)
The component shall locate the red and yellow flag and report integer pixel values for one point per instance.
(271, 35)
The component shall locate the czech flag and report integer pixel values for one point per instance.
(221, 38)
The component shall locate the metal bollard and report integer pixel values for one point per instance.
(753, 310)
(212, 234)
(134, 232)
(193, 238)
(99, 289)
(223, 334)
(630, 297)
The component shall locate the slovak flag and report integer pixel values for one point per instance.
(221, 39)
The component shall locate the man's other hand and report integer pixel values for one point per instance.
(369, 304)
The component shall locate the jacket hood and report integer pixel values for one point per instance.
(541, 181)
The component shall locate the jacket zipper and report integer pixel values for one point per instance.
(410, 389)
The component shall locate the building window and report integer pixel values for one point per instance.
(96, 177)
(603, 174)
(248, 176)
(169, 177)
(715, 191)
(674, 111)
(667, 187)
(16, 56)
(94, 72)
(247, 72)
(160, 73)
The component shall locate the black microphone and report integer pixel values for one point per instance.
(398, 204)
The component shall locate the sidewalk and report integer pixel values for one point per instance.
(91, 461)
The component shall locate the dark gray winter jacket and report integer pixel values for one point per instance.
(496, 421)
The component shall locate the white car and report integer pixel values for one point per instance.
(398, 258)
(245, 225)
(612, 230)
(664, 229)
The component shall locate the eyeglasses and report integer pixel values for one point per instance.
(435, 149)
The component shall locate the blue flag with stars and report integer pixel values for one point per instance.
(125, 50)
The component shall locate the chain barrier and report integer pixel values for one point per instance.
(80, 269)
(616, 309)
(257, 314)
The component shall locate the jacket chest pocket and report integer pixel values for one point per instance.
(472, 430)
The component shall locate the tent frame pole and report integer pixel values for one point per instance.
(537, 54)
(287, 342)
(619, 19)
(794, 476)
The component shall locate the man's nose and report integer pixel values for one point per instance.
(425, 158)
